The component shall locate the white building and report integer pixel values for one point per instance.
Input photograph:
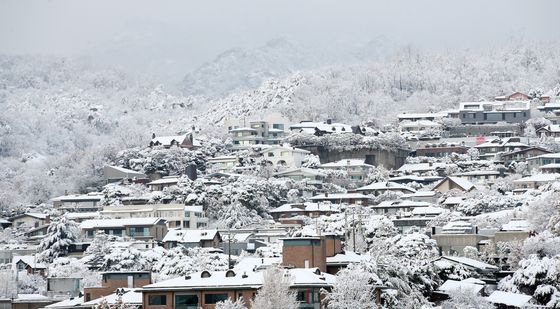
(177, 215)
(282, 156)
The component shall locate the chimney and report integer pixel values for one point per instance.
(326, 194)
(153, 135)
(347, 162)
(329, 121)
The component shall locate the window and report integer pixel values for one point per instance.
(186, 301)
(503, 116)
(270, 154)
(302, 296)
(157, 300)
(186, 224)
(210, 299)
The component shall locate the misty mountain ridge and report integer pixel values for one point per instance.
(240, 69)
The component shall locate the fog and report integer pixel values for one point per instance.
(181, 35)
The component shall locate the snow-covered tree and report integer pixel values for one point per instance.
(61, 233)
(473, 153)
(353, 289)
(229, 304)
(536, 276)
(275, 292)
(460, 299)
(31, 283)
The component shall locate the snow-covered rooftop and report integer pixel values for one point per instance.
(168, 140)
(470, 262)
(516, 225)
(346, 258)
(420, 167)
(464, 285)
(189, 236)
(345, 163)
(307, 207)
(538, 178)
(385, 186)
(509, 299)
(339, 196)
(29, 260)
(425, 211)
(242, 279)
(164, 180)
(100, 223)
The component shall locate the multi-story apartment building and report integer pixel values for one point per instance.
(494, 112)
(177, 215)
(257, 133)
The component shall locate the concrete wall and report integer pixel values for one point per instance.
(449, 243)
(389, 159)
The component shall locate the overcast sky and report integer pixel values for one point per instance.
(199, 30)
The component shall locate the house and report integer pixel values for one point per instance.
(111, 281)
(303, 209)
(522, 155)
(471, 285)
(223, 164)
(439, 150)
(116, 174)
(343, 198)
(204, 289)
(420, 168)
(237, 242)
(356, 169)
(310, 252)
(176, 215)
(30, 220)
(516, 96)
(389, 208)
(312, 176)
(257, 133)
(453, 201)
(488, 150)
(494, 112)
(533, 163)
(405, 179)
(79, 202)
(36, 234)
(452, 182)
(162, 183)
(533, 182)
(130, 298)
(378, 188)
(283, 156)
(552, 130)
(29, 264)
(192, 238)
(516, 230)
(320, 128)
(453, 237)
(63, 287)
(421, 196)
(481, 177)
(182, 141)
(419, 126)
(135, 228)
(342, 260)
(420, 116)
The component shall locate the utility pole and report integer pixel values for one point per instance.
(229, 248)
(354, 229)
